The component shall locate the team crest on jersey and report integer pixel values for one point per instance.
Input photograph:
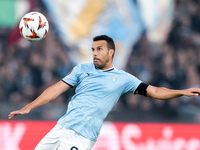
(114, 77)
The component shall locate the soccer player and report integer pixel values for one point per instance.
(99, 86)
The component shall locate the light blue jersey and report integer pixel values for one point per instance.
(96, 93)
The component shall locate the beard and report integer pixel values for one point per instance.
(99, 64)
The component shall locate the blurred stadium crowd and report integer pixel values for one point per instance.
(27, 69)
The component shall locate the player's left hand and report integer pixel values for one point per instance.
(191, 92)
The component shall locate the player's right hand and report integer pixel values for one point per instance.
(18, 112)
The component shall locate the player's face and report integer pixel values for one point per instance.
(102, 56)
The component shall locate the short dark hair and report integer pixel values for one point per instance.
(109, 40)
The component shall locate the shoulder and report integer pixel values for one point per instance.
(126, 75)
(122, 72)
(85, 66)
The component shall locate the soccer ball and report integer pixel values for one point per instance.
(34, 26)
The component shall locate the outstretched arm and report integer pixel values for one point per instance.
(164, 93)
(49, 94)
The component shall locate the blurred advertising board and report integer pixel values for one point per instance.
(23, 135)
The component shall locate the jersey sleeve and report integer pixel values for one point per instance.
(131, 83)
(72, 77)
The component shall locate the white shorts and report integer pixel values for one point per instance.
(61, 138)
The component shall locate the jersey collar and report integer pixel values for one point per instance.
(108, 69)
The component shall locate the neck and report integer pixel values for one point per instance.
(106, 68)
